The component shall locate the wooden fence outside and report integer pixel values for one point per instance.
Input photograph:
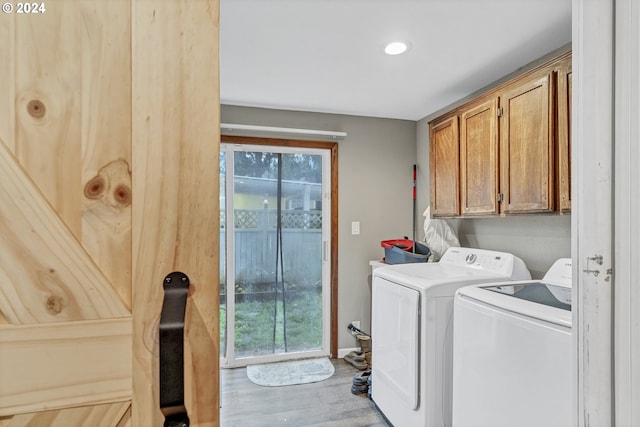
(256, 248)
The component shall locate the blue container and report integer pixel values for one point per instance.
(397, 255)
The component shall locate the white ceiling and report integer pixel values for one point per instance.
(327, 55)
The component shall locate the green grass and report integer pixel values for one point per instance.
(254, 325)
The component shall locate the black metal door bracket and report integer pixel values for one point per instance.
(176, 289)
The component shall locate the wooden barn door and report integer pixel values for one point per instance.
(109, 138)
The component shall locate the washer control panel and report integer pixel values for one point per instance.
(482, 259)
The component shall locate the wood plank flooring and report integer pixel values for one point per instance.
(326, 403)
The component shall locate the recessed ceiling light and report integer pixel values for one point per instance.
(395, 48)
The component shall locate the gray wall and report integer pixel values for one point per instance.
(538, 239)
(375, 179)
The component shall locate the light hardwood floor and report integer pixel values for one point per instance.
(326, 403)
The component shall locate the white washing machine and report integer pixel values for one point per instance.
(411, 329)
(512, 352)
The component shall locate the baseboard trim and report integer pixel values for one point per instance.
(342, 352)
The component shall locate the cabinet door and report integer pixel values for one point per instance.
(479, 159)
(563, 172)
(526, 146)
(444, 159)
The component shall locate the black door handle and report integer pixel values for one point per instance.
(176, 289)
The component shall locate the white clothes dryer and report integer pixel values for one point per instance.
(512, 352)
(411, 329)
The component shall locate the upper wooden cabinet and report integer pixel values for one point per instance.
(513, 146)
(479, 158)
(563, 160)
(444, 164)
(526, 146)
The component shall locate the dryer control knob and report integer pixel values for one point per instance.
(471, 258)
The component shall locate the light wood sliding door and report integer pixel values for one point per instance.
(109, 138)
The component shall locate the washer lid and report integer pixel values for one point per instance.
(530, 298)
(538, 292)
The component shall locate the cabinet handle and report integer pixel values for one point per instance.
(324, 251)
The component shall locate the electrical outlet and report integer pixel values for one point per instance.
(356, 323)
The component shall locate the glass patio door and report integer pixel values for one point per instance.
(274, 266)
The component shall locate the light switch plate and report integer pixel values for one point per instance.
(355, 227)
